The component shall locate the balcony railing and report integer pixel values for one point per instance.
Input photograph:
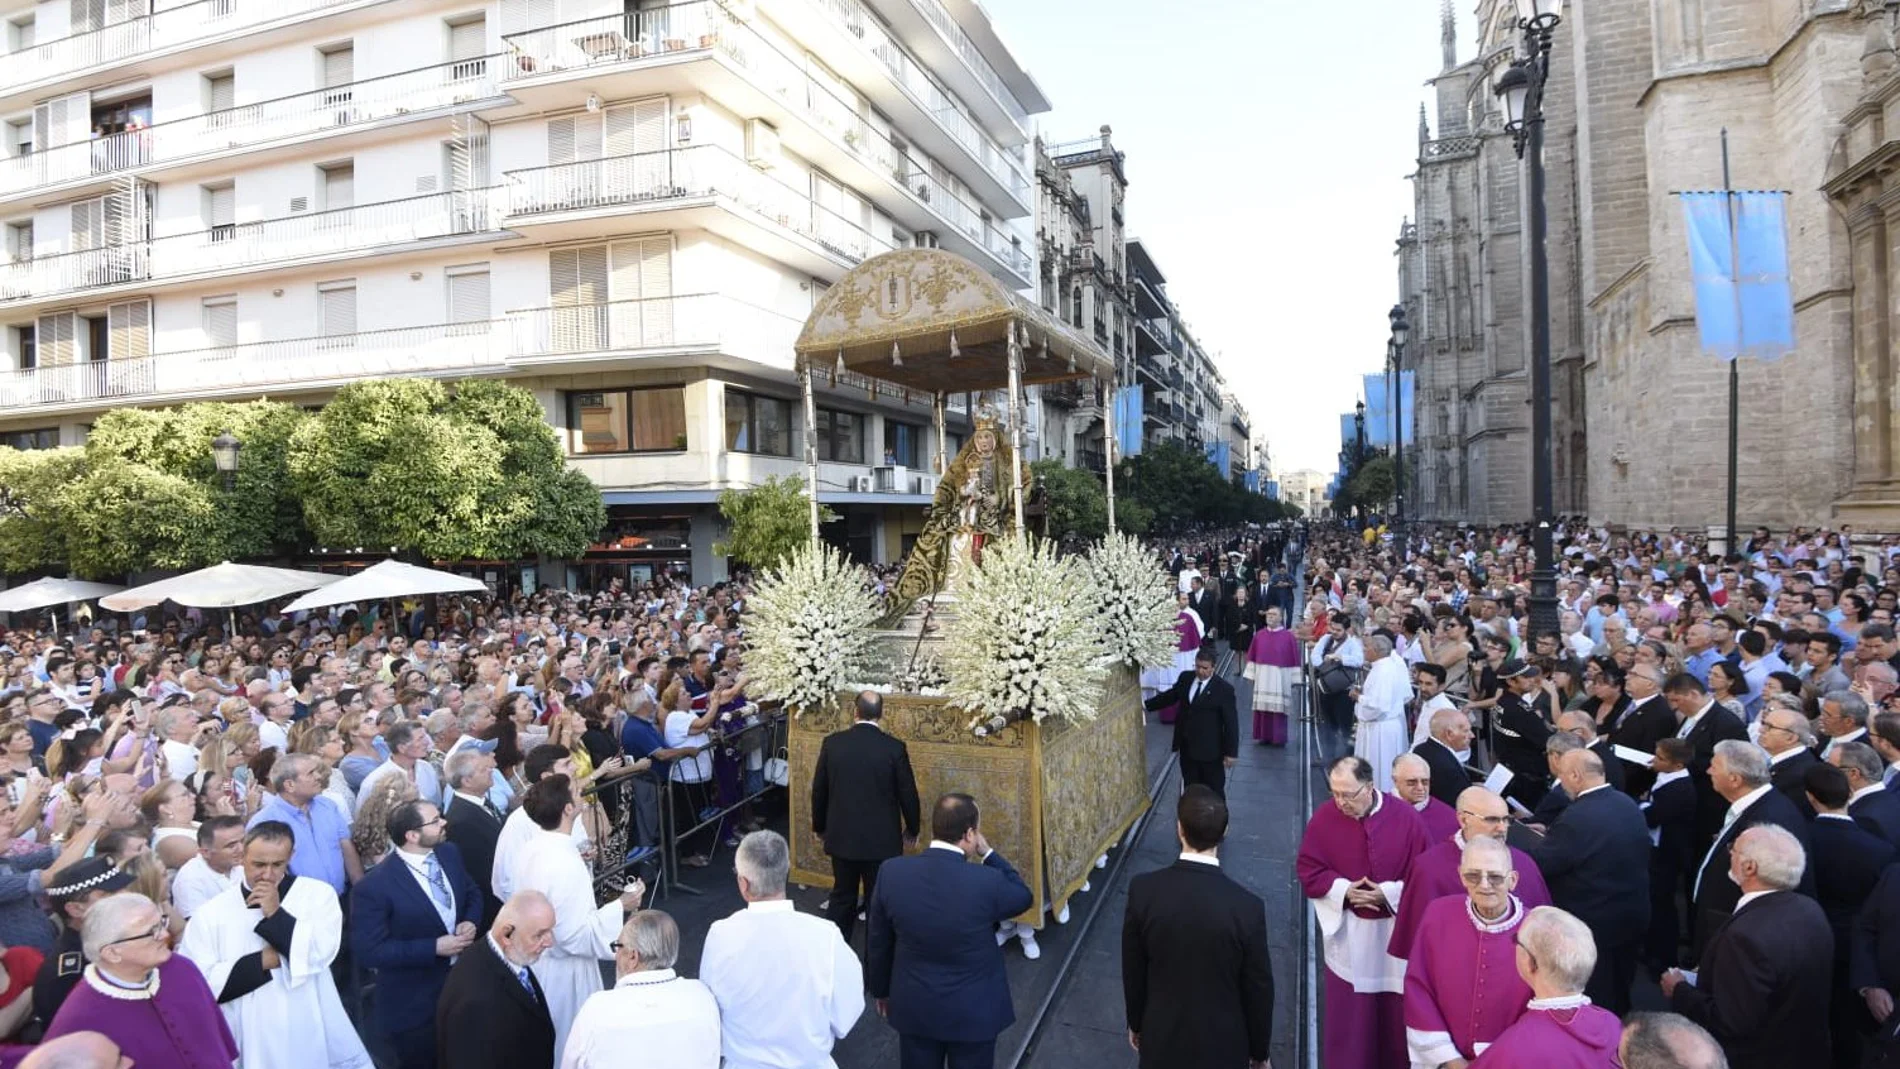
(316, 111)
(176, 25)
(268, 241)
(524, 336)
(703, 171)
(706, 25)
(452, 347)
(688, 321)
(972, 57)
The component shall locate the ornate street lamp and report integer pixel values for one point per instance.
(224, 453)
(1521, 86)
(1395, 350)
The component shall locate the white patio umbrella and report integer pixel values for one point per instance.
(387, 579)
(221, 586)
(40, 593)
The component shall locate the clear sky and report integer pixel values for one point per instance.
(1268, 143)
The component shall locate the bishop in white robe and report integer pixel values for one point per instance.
(270, 970)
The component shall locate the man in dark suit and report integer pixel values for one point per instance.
(1196, 975)
(1670, 814)
(1206, 605)
(1762, 990)
(474, 824)
(1703, 725)
(1450, 736)
(493, 1014)
(933, 964)
(1789, 740)
(1873, 959)
(1584, 727)
(1871, 804)
(409, 917)
(1595, 860)
(1645, 720)
(1848, 860)
(1739, 775)
(1207, 730)
(863, 806)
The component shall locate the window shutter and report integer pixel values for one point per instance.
(339, 67)
(129, 330)
(221, 324)
(339, 188)
(53, 336)
(61, 121)
(222, 94)
(221, 205)
(337, 310)
(643, 275)
(636, 141)
(561, 140)
(578, 283)
(468, 296)
(88, 15)
(88, 225)
(468, 40)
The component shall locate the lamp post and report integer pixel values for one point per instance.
(224, 453)
(1522, 88)
(1395, 350)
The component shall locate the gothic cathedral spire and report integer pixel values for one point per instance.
(1448, 33)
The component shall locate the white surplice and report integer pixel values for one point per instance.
(296, 1020)
(583, 934)
(515, 832)
(1381, 715)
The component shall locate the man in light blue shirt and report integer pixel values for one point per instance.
(1699, 653)
(322, 850)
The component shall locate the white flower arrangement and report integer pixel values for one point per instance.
(1024, 642)
(1136, 600)
(809, 625)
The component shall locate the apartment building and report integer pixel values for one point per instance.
(626, 207)
(1181, 386)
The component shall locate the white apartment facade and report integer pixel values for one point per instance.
(625, 207)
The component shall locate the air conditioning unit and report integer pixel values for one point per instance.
(762, 145)
(889, 479)
(926, 239)
(927, 485)
(861, 484)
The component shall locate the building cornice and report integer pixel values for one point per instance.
(1738, 66)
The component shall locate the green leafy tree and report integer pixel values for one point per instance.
(399, 463)
(1076, 502)
(121, 517)
(31, 533)
(1372, 486)
(768, 523)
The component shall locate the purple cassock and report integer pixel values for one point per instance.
(1462, 989)
(1435, 875)
(1558, 1033)
(1365, 1014)
(1441, 820)
(175, 1022)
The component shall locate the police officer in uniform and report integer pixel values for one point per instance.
(72, 893)
(1522, 728)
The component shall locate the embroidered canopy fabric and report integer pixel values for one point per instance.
(918, 300)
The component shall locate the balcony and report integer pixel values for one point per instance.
(704, 324)
(1091, 460)
(274, 243)
(706, 328)
(409, 95)
(963, 62)
(458, 348)
(751, 74)
(713, 187)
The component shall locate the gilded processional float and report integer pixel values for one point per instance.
(1002, 670)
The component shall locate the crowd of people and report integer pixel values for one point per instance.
(1665, 825)
(296, 840)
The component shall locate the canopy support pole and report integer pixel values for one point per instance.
(1016, 425)
(811, 447)
(1108, 444)
(937, 407)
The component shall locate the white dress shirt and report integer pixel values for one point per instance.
(428, 785)
(788, 986)
(649, 1018)
(197, 883)
(418, 863)
(1856, 735)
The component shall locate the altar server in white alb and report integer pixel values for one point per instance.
(583, 935)
(1380, 709)
(265, 947)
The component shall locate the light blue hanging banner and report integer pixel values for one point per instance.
(1746, 278)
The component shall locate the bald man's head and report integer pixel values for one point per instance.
(1668, 1041)
(77, 1050)
(1580, 770)
(1412, 778)
(525, 927)
(1482, 814)
(1453, 728)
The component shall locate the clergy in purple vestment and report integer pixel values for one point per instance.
(1434, 873)
(1560, 1029)
(1188, 629)
(1461, 984)
(1273, 663)
(155, 1006)
(1412, 782)
(1351, 866)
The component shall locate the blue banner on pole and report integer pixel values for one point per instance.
(1253, 481)
(1128, 436)
(1348, 432)
(1408, 398)
(1378, 411)
(1273, 489)
(1738, 251)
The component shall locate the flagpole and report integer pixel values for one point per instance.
(1734, 365)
